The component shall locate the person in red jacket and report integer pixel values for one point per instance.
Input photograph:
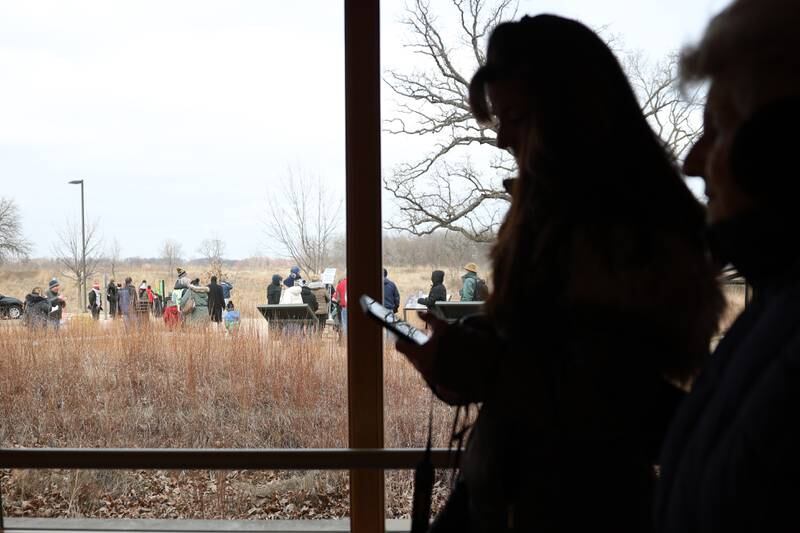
(340, 297)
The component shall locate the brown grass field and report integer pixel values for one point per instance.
(102, 385)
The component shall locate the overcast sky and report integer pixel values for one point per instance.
(183, 117)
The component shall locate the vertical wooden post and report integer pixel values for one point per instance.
(364, 254)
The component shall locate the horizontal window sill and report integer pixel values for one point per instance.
(99, 525)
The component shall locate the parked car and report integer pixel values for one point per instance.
(10, 307)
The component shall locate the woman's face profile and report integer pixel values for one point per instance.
(709, 158)
(511, 107)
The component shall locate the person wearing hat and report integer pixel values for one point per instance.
(293, 277)
(468, 290)
(57, 302)
(95, 301)
(37, 309)
(183, 279)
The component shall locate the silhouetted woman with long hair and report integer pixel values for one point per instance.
(603, 296)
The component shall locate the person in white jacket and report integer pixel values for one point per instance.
(291, 295)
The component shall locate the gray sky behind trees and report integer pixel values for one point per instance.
(183, 116)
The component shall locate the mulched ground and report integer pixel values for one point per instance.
(196, 495)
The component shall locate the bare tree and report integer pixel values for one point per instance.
(12, 242)
(68, 253)
(675, 115)
(457, 186)
(171, 253)
(114, 258)
(305, 222)
(213, 250)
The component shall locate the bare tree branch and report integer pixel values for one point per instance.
(172, 253)
(444, 189)
(212, 250)
(68, 252)
(12, 243)
(304, 221)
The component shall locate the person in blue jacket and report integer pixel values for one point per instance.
(227, 287)
(293, 277)
(391, 296)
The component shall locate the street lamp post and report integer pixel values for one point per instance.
(82, 281)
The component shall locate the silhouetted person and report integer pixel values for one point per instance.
(216, 300)
(274, 290)
(602, 289)
(438, 292)
(730, 462)
(111, 297)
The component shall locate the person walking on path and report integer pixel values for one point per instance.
(391, 296)
(438, 292)
(469, 287)
(216, 300)
(57, 302)
(95, 301)
(111, 298)
(274, 290)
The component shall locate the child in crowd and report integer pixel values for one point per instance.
(231, 318)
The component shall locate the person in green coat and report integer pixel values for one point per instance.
(199, 312)
(470, 282)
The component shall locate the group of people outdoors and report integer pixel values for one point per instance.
(330, 301)
(194, 304)
(602, 407)
(294, 289)
(473, 288)
(45, 308)
(126, 301)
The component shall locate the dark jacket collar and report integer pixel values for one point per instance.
(761, 244)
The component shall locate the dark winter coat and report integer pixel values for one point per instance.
(111, 293)
(127, 300)
(293, 277)
(216, 301)
(226, 289)
(556, 448)
(37, 310)
(274, 291)
(309, 298)
(573, 403)
(56, 305)
(730, 462)
(438, 291)
(391, 296)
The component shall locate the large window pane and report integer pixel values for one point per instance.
(208, 137)
(444, 199)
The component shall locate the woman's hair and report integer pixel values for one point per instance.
(599, 211)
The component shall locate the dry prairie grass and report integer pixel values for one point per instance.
(102, 385)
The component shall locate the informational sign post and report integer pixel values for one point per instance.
(329, 276)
